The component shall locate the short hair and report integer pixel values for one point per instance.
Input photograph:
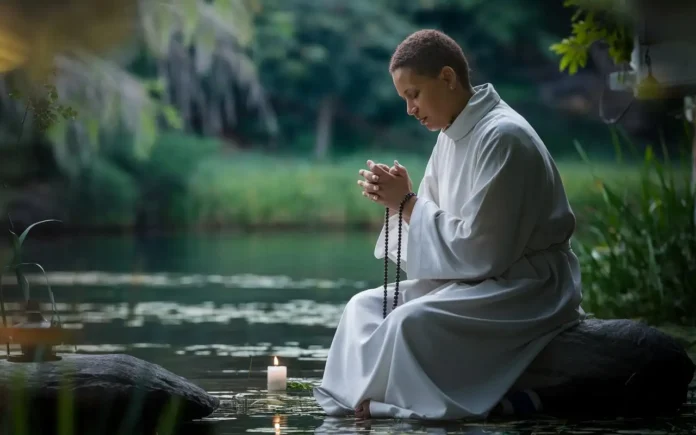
(427, 51)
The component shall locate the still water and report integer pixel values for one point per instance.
(217, 308)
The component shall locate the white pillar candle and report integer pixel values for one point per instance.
(277, 376)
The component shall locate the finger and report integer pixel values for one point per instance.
(371, 196)
(368, 175)
(378, 169)
(398, 169)
(368, 187)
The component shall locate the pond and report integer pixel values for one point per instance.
(217, 308)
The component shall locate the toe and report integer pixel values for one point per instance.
(363, 410)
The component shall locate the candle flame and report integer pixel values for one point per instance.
(276, 424)
(275, 360)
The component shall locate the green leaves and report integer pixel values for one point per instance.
(16, 266)
(641, 261)
(592, 22)
(573, 55)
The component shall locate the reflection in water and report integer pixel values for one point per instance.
(215, 310)
(241, 281)
(295, 312)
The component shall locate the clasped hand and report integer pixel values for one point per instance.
(384, 185)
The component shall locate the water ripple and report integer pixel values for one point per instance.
(299, 312)
(241, 281)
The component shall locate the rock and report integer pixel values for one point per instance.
(610, 367)
(106, 389)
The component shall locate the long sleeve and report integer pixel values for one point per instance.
(426, 189)
(492, 221)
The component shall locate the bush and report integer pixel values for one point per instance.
(103, 196)
(640, 260)
(164, 178)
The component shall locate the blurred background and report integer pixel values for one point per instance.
(202, 157)
(187, 115)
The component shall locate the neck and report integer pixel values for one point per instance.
(461, 100)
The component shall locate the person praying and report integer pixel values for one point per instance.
(485, 246)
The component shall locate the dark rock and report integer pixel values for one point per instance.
(109, 390)
(610, 368)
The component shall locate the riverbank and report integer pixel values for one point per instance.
(201, 188)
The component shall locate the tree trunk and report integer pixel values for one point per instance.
(325, 119)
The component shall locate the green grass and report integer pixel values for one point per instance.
(264, 191)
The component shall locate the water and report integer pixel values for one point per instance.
(216, 309)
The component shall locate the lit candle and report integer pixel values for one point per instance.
(277, 376)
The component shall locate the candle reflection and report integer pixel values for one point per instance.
(278, 421)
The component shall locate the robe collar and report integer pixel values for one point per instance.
(484, 99)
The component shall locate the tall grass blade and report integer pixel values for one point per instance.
(50, 292)
(169, 417)
(2, 307)
(19, 403)
(25, 233)
(617, 145)
(66, 408)
(581, 151)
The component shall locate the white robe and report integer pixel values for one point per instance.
(491, 279)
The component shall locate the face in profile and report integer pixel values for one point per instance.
(429, 99)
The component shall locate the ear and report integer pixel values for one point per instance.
(449, 76)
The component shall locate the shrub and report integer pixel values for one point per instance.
(640, 260)
(103, 195)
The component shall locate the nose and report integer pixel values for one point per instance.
(411, 109)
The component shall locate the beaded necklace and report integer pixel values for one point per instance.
(398, 254)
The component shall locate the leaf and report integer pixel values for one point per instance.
(26, 231)
(565, 61)
(560, 47)
(48, 286)
(16, 247)
(172, 117)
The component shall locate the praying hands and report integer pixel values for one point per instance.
(384, 185)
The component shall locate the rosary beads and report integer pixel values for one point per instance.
(398, 254)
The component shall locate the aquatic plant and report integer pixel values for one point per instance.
(640, 260)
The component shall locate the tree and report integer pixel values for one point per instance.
(325, 55)
(191, 56)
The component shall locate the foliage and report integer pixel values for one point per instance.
(319, 59)
(299, 386)
(16, 266)
(645, 262)
(188, 45)
(187, 184)
(103, 195)
(163, 179)
(201, 65)
(118, 190)
(46, 108)
(329, 47)
(593, 21)
(492, 28)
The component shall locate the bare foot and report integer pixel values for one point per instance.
(362, 412)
